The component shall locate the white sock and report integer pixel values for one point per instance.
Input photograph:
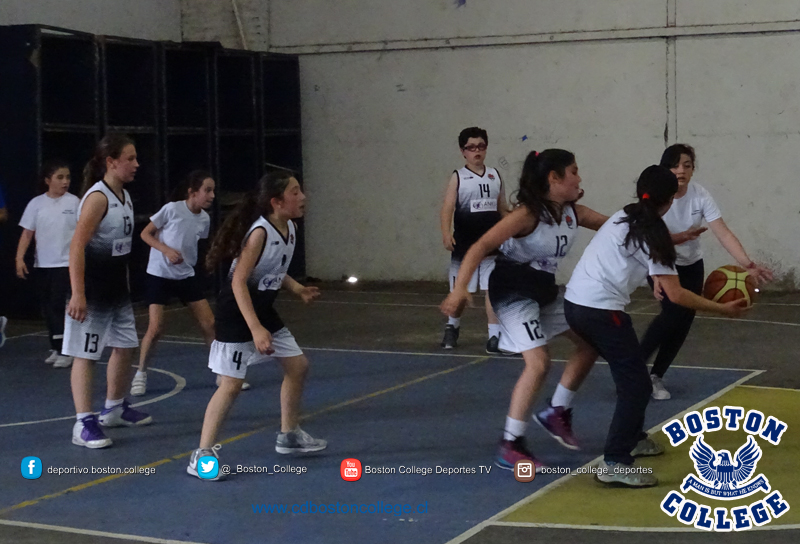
(140, 374)
(82, 415)
(514, 428)
(454, 321)
(562, 397)
(494, 329)
(113, 403)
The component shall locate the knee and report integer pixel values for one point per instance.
(297, 369)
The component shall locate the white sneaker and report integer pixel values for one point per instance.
(52, 357)
(659, 391)
(298, 441)
(86, 432)
(62, 361)
(622, 475)
(139, 384)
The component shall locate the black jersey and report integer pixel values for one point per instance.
(476, 207)
(263, 284)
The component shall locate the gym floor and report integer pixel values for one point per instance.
(382, 391)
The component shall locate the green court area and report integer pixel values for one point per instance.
(581, 501)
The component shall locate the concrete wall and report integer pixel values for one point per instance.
(386, 86)
(147, 19)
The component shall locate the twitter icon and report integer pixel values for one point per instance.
(208, 467)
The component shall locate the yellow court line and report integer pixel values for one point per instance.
(325, 410)
(772, 388)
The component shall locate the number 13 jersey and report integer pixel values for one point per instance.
(108, 251)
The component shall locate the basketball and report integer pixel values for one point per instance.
(729, 283)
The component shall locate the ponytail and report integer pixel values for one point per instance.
(228, 242)
(647, 231)
(192, 182)
(534, 183)
(110, 146)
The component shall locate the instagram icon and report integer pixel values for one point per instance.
(524, 471)
(350, 470)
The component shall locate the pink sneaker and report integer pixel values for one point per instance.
(512, 451)
(557, 421)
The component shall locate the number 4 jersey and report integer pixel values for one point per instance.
(107, 253)
(263, 284)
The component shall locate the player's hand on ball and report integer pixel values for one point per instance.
(263, 341)
(736, 308)
(760, 273)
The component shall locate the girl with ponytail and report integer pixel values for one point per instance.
(633, 244)
(533, 239)
(693, 205)
(260, 238)
(173, 235)
(99, 312)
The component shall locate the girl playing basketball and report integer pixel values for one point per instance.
(173, 234)
(260, 237)
(692, 205)
(633, 243)
(51, 218)
(99, 313)
(532, 240)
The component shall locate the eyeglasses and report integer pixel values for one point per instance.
(473, 148)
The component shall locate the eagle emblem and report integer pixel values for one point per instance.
(717, 467)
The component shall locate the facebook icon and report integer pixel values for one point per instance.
(31, 468)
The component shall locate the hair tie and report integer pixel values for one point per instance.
(535, 153)
(645, 196)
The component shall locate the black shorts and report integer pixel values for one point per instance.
(162, 290)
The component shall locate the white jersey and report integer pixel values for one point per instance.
(263, 284)
(545, 247)
(608, 272)
(476, 207)
(106, 271)
(179, 229)
(53, 221)
(689, 211)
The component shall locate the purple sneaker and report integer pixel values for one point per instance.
(557, 421)
(123, 415)
(87, 432)
(512, 451)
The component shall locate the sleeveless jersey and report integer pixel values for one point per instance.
(528, 265)
(263, 284)
(476, 207)
(108, 251)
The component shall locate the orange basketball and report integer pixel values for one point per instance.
(729, 283)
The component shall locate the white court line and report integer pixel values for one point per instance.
(90, 532)
(771, 388)
(495, 520)
(439, 354)
(180, 383)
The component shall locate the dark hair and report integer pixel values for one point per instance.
(192, 182)
(534, 183)
(472, 132)
(227, 243)
(672, 155)
(655, 188)
(48, 169)
(110, 146)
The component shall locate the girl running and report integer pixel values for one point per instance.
(533, 239)
(633, 243)
(173, 234)
(99, 313)
(693, 204)
(260, 237)
(50, 218)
